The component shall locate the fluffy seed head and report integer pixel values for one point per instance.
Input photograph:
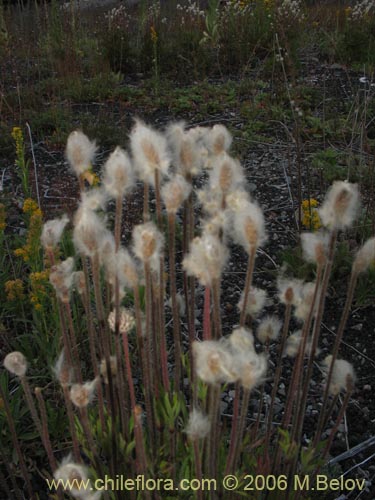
(241, 340)
(174, 193)
(126, 269)
(112, 366)
(218, 140)
(314, 247)
(237, 200)
(340, 205)
(304, 301)
(256, 300)
(150, 153)
(211, 201)
(252, 368)
(79, 282)
(213, 362)
(206, 259)
(226, 175)
(365, 256)
(148, 242)
(52, 231)
(77, 477)
(82, 394)
(15, 362)
(61, 278)
(342, 374)
(249, 226)
(88, 231)
(185, 150)
(269, 329)
(289, 290)
(118, 173)
(62, 371)
(292, 345)
(80, 152)
(127, 321)
(198, 426)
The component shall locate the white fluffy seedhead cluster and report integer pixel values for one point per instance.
(251, 367)
(118, 174)
(290, 12)
(127, 321)
(61, 278)
(88, 231)
(269, 329)
(226, 175)
(218, 140)
(81, 395)
(362, 9)
(15, 362)
(231, 359)
(365, 256)
(213, 362)
(77, 476)
(256, 300)
(80, 152)
(148, 244)
(206, 259)
(62, 371)
(174, 193)
(188, 151)
(127, 270)
(315, 247)
(342, 374)
(249, 226)
(211, 201)
(150, 152)
(293, 343)
(340, 205)
(289, 290)
(304, 301)
(52, 232)
(198, 426)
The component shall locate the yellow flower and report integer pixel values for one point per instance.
(17, 133)
(348, 11)
(310, 215)
(14, 289)
(18, 138)
(32, 247)
(39, 282)
(154, 35)
(30, 206)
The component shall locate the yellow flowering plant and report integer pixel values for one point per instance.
(21, 162)
(30, 251)
(310, 215)
(39, 289)
(14, 290)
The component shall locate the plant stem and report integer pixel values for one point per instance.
(73, 433)
(45, 436)
(315, 334)
(16, 444)
(249, 275)
(216, 309)
(173, 294)
(278, 371)
(336, 347)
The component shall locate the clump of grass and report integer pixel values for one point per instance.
(129, 427)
